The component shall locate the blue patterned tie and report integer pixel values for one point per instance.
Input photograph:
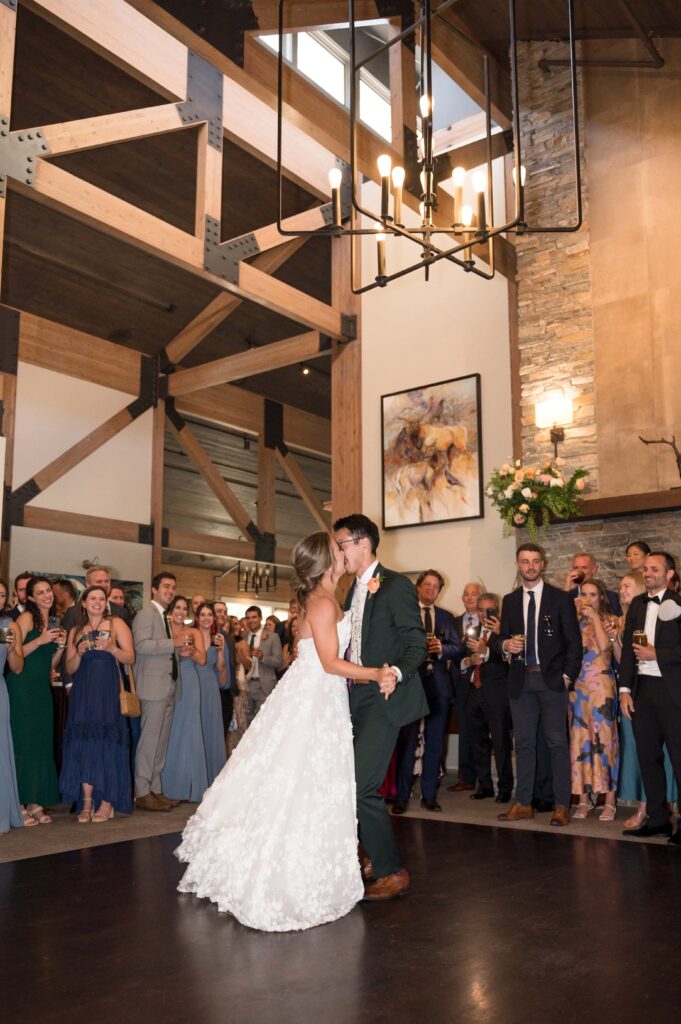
(530, 647)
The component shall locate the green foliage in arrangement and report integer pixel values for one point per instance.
(529, 495)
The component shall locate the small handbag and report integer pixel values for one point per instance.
(130, 702)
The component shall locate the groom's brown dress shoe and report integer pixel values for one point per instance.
(388, 887)
(561, 816)
(167, 801)
(366, 869)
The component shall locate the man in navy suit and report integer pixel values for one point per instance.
(540, 637)
(443, 646)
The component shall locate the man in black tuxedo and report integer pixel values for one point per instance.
(443, 646)
(650, 688)
(541, 639)
(486, 702)
(584, 569)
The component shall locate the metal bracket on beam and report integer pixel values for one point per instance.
(19, 153)
(15, 502)
(204, 98)
(411, 162)
(265, 543)
(12, 4)
(349, 326)
(173, 415)
(273, 424)
(223, 258)
(9, 339)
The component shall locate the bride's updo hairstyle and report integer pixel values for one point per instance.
(311, 558)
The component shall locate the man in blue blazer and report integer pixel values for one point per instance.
(443, 646)
(540, 637)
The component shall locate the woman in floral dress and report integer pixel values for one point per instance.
(594, 744)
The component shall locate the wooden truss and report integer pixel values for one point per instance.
(223, 98)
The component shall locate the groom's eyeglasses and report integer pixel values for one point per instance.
(348, 540)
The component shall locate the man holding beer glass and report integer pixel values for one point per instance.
(540, 639)
(650, 687)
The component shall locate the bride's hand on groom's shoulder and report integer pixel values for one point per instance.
(387, 680)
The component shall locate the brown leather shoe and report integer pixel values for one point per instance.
(459, 787)
(148, 802)
(367, 869)
(388, 887)
(166, 801)
(517, 812)
(561, 815)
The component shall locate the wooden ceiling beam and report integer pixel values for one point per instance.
(311, 14)
(221, 547)
(304, 488)
(37, 518)
(462, 62)
(256, 360)
(106, 129)
(224, 304)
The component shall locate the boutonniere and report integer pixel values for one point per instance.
(374, 585)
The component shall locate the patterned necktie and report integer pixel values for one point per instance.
(174, 672)
(530, 642)
(428, 626)
(356, 622)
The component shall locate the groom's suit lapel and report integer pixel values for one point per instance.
(369, 608)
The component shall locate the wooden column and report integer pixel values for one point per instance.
(346, 392)
(402, 91)
(157, 456)
(267, 495)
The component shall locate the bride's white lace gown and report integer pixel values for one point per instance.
(275, 840)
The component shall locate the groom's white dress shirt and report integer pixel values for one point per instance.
(358, 601)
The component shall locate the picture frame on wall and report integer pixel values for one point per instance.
(432, 453)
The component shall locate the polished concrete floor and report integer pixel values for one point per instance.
(503, 926)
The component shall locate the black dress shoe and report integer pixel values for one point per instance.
(676, 838)
(646, 831)
(430, 805)
(542, 806)
(398, 807)
(483, 794)
(503, 798)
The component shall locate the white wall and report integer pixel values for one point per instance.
(415, 333)
(53, 412)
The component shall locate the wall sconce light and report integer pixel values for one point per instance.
(555, 412)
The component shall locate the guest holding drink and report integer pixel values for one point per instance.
(650, 687)
(290, 649)
(185, 775)
(212, 677)
(30, 700)
(585, 568)
(96, 770)
(594, 746)
(11, 653)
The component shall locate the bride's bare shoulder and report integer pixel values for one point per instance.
(322, 607)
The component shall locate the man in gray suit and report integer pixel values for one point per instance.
(158, 687)
(264, 662)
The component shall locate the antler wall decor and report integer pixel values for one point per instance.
(672, 445)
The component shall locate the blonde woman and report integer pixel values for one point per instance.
(275, 840)
(630, 782)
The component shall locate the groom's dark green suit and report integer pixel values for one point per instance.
(392, 633)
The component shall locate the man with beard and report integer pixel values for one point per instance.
(540, 638)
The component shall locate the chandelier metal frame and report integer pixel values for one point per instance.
(346, 202)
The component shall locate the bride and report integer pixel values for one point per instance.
(274, 841)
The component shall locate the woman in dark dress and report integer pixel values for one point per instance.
(30, 701)
(96, 760)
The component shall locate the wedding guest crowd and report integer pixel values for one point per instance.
(582, 682)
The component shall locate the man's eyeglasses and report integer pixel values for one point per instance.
(348, 540)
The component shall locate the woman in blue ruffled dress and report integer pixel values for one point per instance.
(212, 677)
(185, 773)
(96, 758)
(11, 653)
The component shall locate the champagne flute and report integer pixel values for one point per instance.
(520, 656)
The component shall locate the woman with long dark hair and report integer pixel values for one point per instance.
(11, 653)
(30, 700)
(96, 760)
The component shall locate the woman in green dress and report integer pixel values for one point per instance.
(30, 701)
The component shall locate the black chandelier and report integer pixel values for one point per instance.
(435, 240)
(256, 578)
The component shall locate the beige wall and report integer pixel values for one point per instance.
(415, 333)
(633, 154)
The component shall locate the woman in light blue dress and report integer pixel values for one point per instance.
(213, 677)
(11, 650)
(185, 775)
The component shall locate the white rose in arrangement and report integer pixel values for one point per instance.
(526, 492)
(556, 481)
(510, 491)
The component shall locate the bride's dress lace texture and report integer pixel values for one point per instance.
(275, 840)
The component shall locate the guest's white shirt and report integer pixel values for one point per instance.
(651, 668)
(255, 637)
(161, 610)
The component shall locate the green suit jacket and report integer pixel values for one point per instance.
(392, 632)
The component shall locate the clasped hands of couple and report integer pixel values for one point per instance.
(387, 680)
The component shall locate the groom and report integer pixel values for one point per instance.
(386, 629)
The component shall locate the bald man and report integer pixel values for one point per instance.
(469, 620)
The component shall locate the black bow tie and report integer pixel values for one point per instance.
(655, 600)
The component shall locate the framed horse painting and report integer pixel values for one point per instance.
(432, 453)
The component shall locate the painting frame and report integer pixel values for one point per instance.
(427, 393)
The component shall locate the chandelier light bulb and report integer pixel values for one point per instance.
(335, 177)
(399, 175)
(424, 104)
(523, 175)
(459, 177)
(384, 164)
(479, 180)
(466, 216)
